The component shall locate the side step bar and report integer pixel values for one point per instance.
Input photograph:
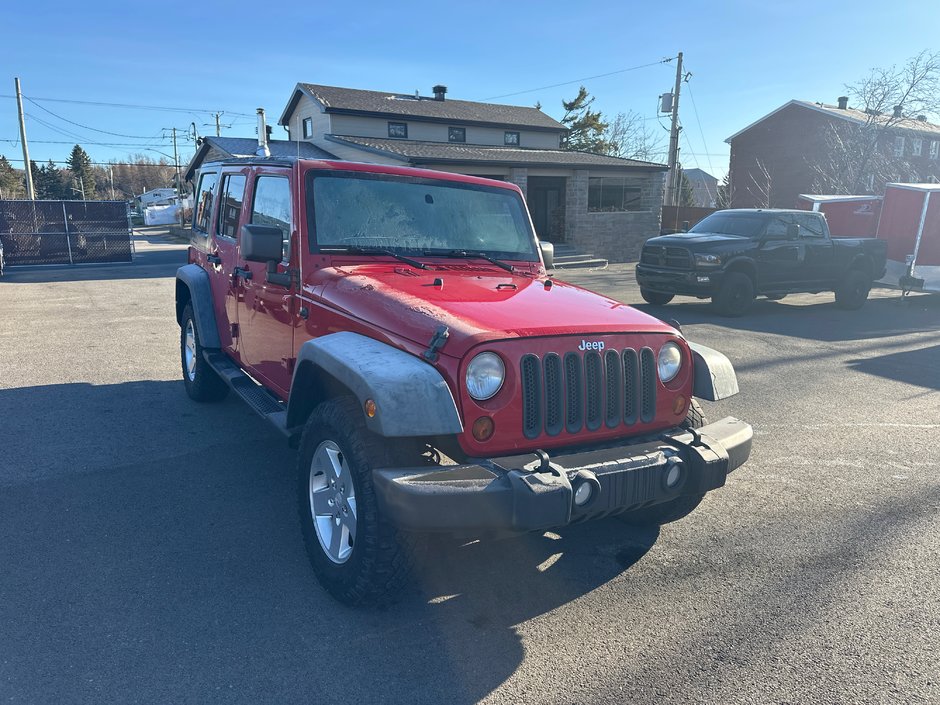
(257, 397)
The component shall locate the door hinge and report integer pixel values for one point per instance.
(234, 330)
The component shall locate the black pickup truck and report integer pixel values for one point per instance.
(734, 255)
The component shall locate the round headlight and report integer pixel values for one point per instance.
(670, 360)
(485, 375)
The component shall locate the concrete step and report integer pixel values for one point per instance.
(582, 263)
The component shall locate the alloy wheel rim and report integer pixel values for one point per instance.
(190, 351)
(332, 499)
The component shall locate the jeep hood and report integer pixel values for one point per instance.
(476, 303)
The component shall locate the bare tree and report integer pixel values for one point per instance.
(632, 137)
(761, 185)
(860, 157)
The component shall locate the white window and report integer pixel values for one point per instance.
(934, 149)
(917, 145)
(308, 127)
(899, 146)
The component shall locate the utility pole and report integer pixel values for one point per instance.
(30, 191)
(179, 183)
(672, 185)
(218, 124)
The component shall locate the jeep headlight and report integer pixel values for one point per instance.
(669, 361)
(485, 375)
(706, 260)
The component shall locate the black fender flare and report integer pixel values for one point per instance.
(714, 376)
(194, 279)
(742, 263)
(411, 397)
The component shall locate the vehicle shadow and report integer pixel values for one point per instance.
(880, 317)
(150, 545)
(919, 367)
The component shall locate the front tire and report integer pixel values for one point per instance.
(681, 506)
(356, 554)
(735, 295)
(852, 292)
(656, 298)
(201, 381)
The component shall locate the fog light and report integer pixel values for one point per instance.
(583, 494)
(703, 280)
(483, 428)
(673, 475)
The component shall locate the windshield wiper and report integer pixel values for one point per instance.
(467, 254)
(360, 250)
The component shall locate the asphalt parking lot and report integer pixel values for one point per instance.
(150, 551)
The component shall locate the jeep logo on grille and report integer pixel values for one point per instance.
(591, 345)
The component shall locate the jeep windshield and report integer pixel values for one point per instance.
(724, 223)
(417, 216)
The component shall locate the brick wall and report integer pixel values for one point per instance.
(617, 237)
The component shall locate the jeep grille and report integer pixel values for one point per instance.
(589, 390)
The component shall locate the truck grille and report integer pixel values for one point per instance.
(587, 391)
(671, 257)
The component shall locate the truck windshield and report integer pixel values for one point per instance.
(742, 224)
(417, 216)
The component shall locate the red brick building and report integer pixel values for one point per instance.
(804, 147)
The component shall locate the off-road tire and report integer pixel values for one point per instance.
(683, 505)
(381, 556)
(735, 295)
(655, 298)
(852, 291)
(202, 383)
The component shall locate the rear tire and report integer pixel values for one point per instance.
(202, 382)
(655, 298)
(357, 555)
(681, 506)
(852, 292)
(735, 295)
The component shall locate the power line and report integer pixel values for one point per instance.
(142, 164)
(97, 144)
(86, 127)
(133, 106)
(586, 78)
(711, 169)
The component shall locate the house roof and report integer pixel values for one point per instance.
(247, 146)
(416, 152)
(382, 104)
(698, 174)
(853, 115)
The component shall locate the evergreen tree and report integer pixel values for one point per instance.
(79, 164)
(586, 127)
(9, 180)
(723, 197)
(36, 171)
(686, 193)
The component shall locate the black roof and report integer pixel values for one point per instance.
(419, 152)
(382, 104)
(247, 146)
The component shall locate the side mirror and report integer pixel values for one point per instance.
(793, 231)
(261, 243)
(685, 226)
(548, 254)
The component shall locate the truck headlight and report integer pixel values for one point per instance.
(669, 361)
(707, 261)
(485, 375)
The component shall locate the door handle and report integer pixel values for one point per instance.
(214, 259)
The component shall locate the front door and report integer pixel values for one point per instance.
(780, 261)
(546, 201)
(266, 310)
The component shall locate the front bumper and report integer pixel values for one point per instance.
(678, 281)
(535, 492)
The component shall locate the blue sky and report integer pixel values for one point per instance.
(746, 59)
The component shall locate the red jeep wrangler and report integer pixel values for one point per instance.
(399, 327)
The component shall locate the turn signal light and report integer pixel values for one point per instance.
(678, 405)
(370, 408)
(483, 428)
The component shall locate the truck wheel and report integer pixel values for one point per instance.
(683, 505)
(852, 293)
(735, 296)
(357, 555)
(655, 298)
(202, 382)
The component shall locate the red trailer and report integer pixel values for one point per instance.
(848, 216)
(910, 224)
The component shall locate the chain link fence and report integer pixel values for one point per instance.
(65, 232)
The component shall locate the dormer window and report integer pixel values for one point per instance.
(511, 139)
(456, 134)
(308, 127)
(398, 129)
